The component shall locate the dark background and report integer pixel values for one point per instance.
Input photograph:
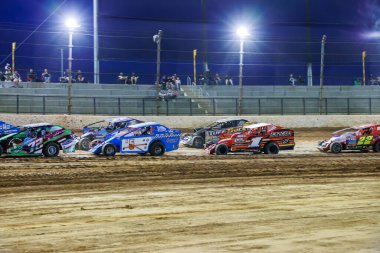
(285, 36)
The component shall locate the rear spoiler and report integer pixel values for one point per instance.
(6, 128)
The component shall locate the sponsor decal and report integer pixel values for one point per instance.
(281, 134)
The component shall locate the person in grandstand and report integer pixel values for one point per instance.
(16, 78)
(31, 76)
(46, 76)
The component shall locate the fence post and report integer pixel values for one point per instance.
(213, 107)
(370, 105)
(119, 106)
(237, 106)
(259, 106)
(348, 106)
(18, 104)
(304, 106)
(167, 107)
(282, 106)
(326, 109)
(94, 105)
(191, 107)
(43, 105)
(143, 100)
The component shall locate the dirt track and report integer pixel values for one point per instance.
(186, 201)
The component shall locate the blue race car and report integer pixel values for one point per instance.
(6, 129)
(99, 130)
(143, 138)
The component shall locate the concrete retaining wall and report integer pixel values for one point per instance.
(293, 121)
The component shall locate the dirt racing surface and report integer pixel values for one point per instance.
(187, 201)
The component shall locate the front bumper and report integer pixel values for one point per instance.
(323, 146)
(187, 140)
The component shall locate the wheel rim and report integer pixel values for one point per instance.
(85, 144)
(52, 150)
(336, 148)
(109, 150)
(197, 142)
(273, 149)
(157, 149)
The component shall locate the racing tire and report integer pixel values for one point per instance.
(336, 148)
(156, 149)
(198, 142)
(376, 147)
(221, 149)
(1, 150)
(84, 144)
(271, 148)
(51, 149)
(109, 150)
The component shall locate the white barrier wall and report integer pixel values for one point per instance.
(293, 121)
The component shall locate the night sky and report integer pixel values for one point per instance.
(285, 36)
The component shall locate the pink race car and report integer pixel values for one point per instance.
(361, 138)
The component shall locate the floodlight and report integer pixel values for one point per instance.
(242, 32)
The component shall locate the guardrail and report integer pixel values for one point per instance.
(52, 104)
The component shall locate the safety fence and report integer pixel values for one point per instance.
(52, 104)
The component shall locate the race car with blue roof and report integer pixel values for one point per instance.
(210, 133)
(255, 138)
(142, 138)
(100, 129)
(6, 129)
(363, 138)
(38, 139)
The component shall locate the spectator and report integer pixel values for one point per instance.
(178, 83)
(301, 81)
(8, 73)
(31, 77)
(228, 80)
(122, 79)
(46, 76)
(292, 80)
(201, 80)
(134, 78)
(79, 77)
(217, 79)
(16, 78)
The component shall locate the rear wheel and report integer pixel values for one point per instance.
(336, 148)
(84, 144)
(271, 148)
(198, 142)
(221, 149)
(109, 149)
(376, 147)
(51, 149)
(157, 149)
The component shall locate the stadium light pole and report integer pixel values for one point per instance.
(71, 24)
(242, 33)
(157, 39)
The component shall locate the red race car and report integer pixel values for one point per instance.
(361, 138)
(256, 138)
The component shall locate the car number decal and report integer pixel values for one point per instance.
(365, 140)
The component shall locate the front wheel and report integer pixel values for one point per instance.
(271, 148)
(84, 144)
(109, 149)
(336, 148)
(51, 149)
(157, 149)
(221, 149)
(198, 142)
(376, 147)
